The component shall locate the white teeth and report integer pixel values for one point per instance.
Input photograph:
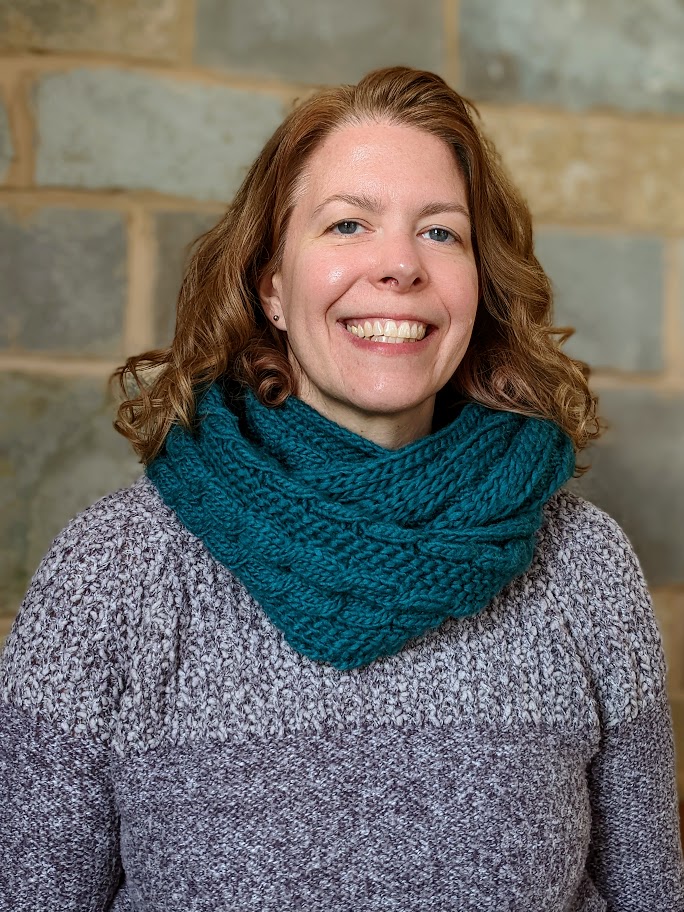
(388, 330)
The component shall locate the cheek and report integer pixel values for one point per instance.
(328, 274)
(470, 282)
(335, 276)
(459, 284)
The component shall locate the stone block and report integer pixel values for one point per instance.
(6, 150)
(59, 454)
(136, 28)
(637, 476)
(5, 627)
(610, 288)
(111, 128)
(63, 274)
(677, 705)
(313, 42)
(594, 169)
(176, 232)
(578, 55)
(668, 605)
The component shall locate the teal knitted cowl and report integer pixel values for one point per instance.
(352, 549)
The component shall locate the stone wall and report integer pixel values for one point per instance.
(124, 128)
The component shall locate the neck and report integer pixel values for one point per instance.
(391, 432)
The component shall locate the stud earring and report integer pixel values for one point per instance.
(276, 317)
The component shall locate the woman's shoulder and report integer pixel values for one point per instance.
(573, 521)
(127, 512)
(595, 579)
(65, 657)
(581, 541)
(112, 534)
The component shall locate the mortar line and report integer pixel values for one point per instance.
(188, 31)
(663, 384)
(169, 72)
(45, 363)
(647, 119)
(122, 201)
(665, 594)
(138, 329)
(452, 63)
(603, 229)
(118, 200)
(16, 91)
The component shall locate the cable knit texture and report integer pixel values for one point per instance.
(163, 747)
(325, 528)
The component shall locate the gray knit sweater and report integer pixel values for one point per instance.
(163, 748)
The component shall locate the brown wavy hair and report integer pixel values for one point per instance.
(514, 360)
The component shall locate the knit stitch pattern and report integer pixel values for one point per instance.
(163, 747)
(353, 549)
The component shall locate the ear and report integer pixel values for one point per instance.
(270, 293)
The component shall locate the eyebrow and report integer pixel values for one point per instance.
(371, 204)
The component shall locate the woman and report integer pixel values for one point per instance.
(349, 643)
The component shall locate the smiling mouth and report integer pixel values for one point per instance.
(387, 330)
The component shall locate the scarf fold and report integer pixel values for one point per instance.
(351, 549)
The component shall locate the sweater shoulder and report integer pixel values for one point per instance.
(127, 514)
(595, 579)
(87, 559)
(64, 660)
(574, 522)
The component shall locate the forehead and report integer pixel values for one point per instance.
(376, 157)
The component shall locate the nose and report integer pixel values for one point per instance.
(398, 264)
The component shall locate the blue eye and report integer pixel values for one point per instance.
(346, 227)
(440, 234)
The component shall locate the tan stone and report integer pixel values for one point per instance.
(5, 626)
(677, 704)
(593, 169)
(668, 605)
(132, 28)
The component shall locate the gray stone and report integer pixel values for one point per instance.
(315, 42)
(6, 151)
(176, 232)
(62, 280)
(136, 28)
(58, 453)
(110, 128)
(610, 288)
(637, 476)
(576, 54)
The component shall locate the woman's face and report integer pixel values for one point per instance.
(378, 289)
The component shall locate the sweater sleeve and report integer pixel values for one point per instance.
(635, 854)
(60, 679)
(58, 820)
